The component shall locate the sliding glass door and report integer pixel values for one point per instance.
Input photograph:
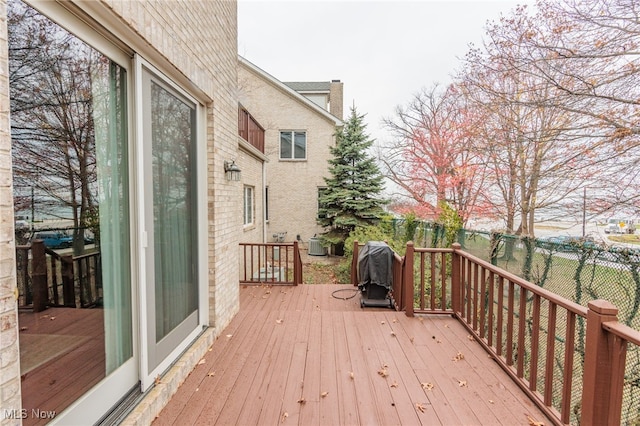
(170, 216)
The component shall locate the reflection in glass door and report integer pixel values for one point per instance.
(71, 188)
(170, 216)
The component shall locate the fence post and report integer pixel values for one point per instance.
(603, 368)
(354, 263)
(68, 286)
(297, 267)
(408, 290)
(456, 282)
(39, 276)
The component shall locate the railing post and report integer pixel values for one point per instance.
(603, 368)
(297, 267)
(354, 263)
(68, 286)
(456, 282)
(408, 290)
(39, 276)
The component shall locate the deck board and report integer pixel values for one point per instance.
(288, 345)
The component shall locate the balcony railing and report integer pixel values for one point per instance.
(270, 263)
(250, 130)
(569, 359)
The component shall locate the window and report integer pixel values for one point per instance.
(293, 145)
(248, 205)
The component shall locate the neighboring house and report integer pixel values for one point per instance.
(300, 122)
(252, 162)
(157, 90)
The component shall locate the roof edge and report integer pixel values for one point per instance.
(286, 89)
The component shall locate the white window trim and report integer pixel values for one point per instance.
(293, 144)
(252, 191)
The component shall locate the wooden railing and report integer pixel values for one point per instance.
(46, 278)
(250, 130)
(270, 263)
(569, 359)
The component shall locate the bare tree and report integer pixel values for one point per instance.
(429, 155)
(53, 140)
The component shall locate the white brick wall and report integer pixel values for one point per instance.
(291, 183)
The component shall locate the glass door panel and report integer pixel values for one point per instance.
(170, 199)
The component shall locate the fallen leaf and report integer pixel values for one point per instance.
(52, 318)
(491, 401)
(324, 394)
(284, 417)
(279, 321)
(446, 326)
(394, 320)
(420, 407)
(157, 380)
(383, 372)
(229, 336)
(462, 383)
(351, 375)
(267, 292)
(302, 401)
(470, 337)
(382, 322)
(533, 422)
(211, 374)
(24, 328)
(411, 339)
(459, 357)
(393, 334)
(393, 385)
(427, 386)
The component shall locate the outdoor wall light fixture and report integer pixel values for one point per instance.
(231, 170)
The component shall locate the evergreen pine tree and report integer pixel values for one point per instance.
(353, 194)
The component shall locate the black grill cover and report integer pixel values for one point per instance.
(375, 266)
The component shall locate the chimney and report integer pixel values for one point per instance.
(335, 98)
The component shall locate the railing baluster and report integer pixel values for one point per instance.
(443, 282)
(499, 325)
(433, 281)
(475, 296)
(491, 309)
(483, 290)
(510, 314)
(422, 280)
(535, 344)
(522, 322)
(551, 350)
(567, 379)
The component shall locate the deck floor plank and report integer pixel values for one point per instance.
(345, 386)
(267, 367)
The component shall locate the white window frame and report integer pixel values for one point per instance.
(248, 205)
(293, 145)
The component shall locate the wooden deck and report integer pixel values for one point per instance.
(297, 355)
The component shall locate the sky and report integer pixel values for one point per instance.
(384, 52)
